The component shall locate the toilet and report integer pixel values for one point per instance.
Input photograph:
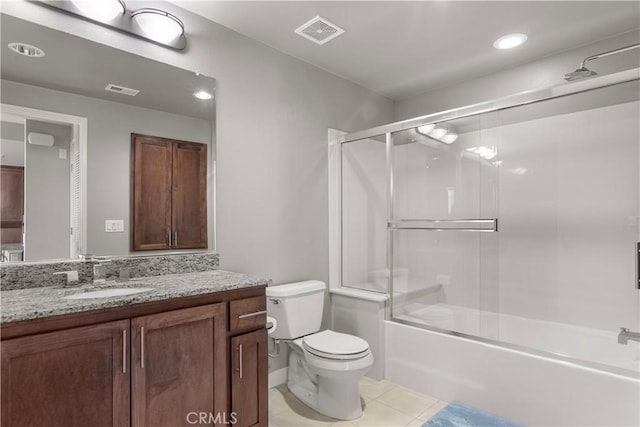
(325, 367)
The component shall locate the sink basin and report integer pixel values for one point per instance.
(108, 293)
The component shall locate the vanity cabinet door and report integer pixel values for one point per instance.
(189, 198)
(151, 160)
(179, 367)
(76, 377)
(249, 378)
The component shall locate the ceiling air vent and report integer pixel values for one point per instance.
(319, 30)
(121, 89)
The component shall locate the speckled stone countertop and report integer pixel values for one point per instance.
(34, 303)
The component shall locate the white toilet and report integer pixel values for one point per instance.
(324, 367)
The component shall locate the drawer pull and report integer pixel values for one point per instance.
(124, 351)
(142, 347)
(254, 314)
(240, 350)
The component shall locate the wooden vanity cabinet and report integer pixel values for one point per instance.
(249, 362)
(76, 377)
(166, 364)
(168, 194)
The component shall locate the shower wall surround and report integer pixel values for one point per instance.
(38, 274)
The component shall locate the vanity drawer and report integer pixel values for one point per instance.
(248, 313)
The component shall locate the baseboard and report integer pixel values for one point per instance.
(277, 377)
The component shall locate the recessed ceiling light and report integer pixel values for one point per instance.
(103, 10)
(510, 41)
(26, 50)
(158, 25)
(202, 94)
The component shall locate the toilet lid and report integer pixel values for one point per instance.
(334, 345)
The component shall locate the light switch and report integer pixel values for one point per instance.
(114, 226)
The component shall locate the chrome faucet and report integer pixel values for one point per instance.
(625, 335)
(99, 271)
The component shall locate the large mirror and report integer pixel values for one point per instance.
(66, 139)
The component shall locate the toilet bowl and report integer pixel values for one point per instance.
(325, 367)
(324, 372)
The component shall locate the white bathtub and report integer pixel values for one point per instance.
(588, 344)
(524, 387)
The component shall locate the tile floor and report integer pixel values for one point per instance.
(385, 405)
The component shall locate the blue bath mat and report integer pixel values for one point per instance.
(457, 414)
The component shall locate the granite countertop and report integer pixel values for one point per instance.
(34, 303)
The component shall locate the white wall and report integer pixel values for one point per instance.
(47, 196)
(534, 75)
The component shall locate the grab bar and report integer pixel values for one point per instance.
(486, 225)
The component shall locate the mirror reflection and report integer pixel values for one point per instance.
(67, 121)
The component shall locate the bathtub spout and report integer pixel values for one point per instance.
(625, 335)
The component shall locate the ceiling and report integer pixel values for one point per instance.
(402, 48)
(162, 87)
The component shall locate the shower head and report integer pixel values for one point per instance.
(583, 72)
(580, 73)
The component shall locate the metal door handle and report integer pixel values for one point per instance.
(175, 238)
(142, 347)
(240, 368)
(169, 238)
(255, 313)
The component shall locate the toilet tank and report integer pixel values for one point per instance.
(297, 308)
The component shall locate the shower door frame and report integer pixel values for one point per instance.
(511, 101)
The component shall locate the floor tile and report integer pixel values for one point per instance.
(380, 415)
(372, 389)
(406, 401)
(416, 422)
(432, 410)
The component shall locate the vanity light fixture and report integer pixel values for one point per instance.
(151, 24)
(158, 25)
(510, 41)
(449, 137)
(26, 49)
(425, 129)
(202, 94)
(103, 10)
(438, 132)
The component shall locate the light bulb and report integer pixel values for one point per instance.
(103, 10)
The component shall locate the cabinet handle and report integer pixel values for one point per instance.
(124, 351)
(175, 238)
(255, 313)
(142, 347)
(169, 238)
(240, 349)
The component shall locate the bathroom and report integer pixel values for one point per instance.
(523, 304)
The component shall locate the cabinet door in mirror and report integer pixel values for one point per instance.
(168, 194)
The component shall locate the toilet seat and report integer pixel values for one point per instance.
(335, 346)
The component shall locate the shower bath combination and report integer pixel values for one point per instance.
(583, 72)
(416, 223)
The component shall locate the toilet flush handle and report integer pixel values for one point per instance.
(275, 300)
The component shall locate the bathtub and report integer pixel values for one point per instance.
(527, 387)
(581, 343)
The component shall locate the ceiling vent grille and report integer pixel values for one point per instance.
(319, 30)
(121, 89)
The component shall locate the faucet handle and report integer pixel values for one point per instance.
(71, 276)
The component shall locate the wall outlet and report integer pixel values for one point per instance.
(114, 226)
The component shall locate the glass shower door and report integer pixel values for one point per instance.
(443, 229)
